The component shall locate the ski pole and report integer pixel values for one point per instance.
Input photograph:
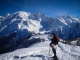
(49, 50)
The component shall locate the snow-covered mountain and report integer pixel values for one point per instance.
(17, 28)
(65, 26)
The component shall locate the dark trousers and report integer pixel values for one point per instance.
(54, 51)
(53, 48)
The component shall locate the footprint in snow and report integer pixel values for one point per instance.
(18, 57)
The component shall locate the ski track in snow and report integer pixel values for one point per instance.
(40, 51)
(70, 55)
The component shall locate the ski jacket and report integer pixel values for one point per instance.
(55, 40)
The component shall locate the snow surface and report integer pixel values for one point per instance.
(40, 51)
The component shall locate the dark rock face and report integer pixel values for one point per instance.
(6, 41)
(9, 43)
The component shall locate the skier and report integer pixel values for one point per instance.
(54, 42)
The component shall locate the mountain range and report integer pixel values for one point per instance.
(64, 26)
(17, 28)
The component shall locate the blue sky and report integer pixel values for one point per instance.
(49, 7)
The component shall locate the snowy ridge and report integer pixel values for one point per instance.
(40, 51)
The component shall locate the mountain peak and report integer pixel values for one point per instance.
(64, 16)
(22, 14)
(7, 15)
(37, 13)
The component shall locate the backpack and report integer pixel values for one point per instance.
(57, 39)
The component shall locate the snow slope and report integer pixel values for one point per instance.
(40, 51)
